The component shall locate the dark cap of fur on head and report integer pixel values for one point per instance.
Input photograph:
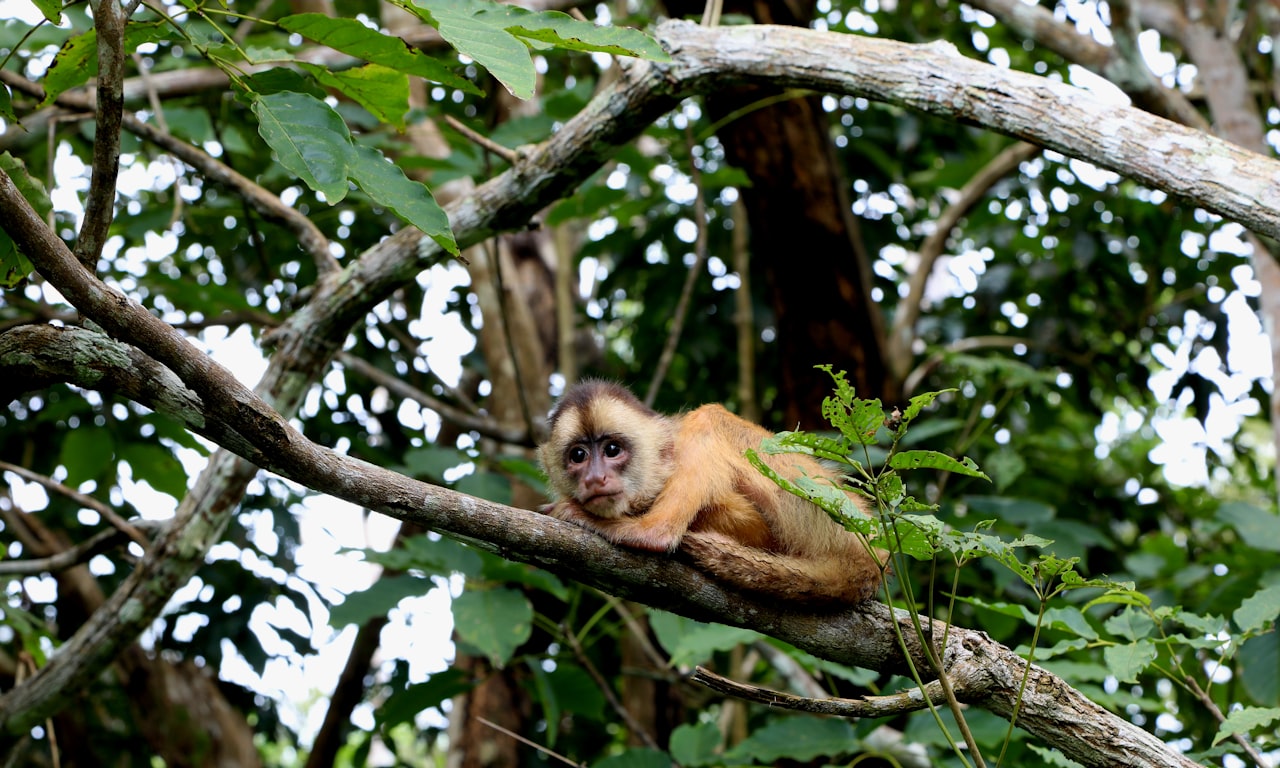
(578, 396)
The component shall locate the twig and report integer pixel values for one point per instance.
(529, 743)
(83, 552)
(397, 386)
(901, 703)
(107, 512)
(690, 279)
(607, 690)
(903, 333)
(506, 153)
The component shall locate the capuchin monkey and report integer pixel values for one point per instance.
(661, 483)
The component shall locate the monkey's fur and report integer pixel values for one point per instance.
(659, 483)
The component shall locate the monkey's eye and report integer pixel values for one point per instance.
(613, 449)
(577, 454)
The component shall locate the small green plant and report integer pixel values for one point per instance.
(906, 528)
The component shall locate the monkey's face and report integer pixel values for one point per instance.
(598, 469)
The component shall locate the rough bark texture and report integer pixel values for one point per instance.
(1215, 174)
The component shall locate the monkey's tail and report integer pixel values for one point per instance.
(830, 580)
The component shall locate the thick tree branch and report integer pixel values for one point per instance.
(1212, 173)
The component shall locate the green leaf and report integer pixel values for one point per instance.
(429, 553)
(935, 460)
(494, 622)
(309, 139)
(491, 46)
(1259, 610)
(497, 37)
(386, 184)
(51, 9)
(77, 60)
(1257, 526)
(355, 39)
(382, 91)
(1130, 624)
(695, 745)
(919, 403)
(487, 485)
(576, 692)
(1245, 720)
(801, 739)
(404, 705)
(689, 642)
(14, 266)
(157, 466)
(1261, 655)
(1127, 661)
(75, 63)
(86, 453)
(378, 600)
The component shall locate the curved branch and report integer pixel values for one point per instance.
(902, 335)
(1219, 176)
(100, 542)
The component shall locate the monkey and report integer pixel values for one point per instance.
(660, 483)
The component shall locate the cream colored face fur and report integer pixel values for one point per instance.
(647, 437)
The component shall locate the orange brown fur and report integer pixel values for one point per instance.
(659, 483)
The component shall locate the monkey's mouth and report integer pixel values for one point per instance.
(602, 504)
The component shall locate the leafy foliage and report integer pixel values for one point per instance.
(1104, 322)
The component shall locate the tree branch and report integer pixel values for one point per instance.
(1212, 173)
(100, 203)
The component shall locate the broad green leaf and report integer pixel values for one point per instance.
(563, 31)
(86, 453)
(14, 266)
(378, 600)
(919, 403)
(1126, 662)
(382, 91)
(695, 745)
(1004, 465)
(404, 705)
(487, 485)
(935, 460)
(576, 692)
(1259, 527)
(1261, 655)
(387, 185)
(485, 41)
(433, 555)
(690, 642)
(916, 536)
(75, 63)
(1245, 720)
(1130, 624)
(493, 621)
(51, 9)
(497, 36)
(430, 462)
(1053, 757)
(77, 60)
(157, 466)
(309, 139)
(1259, 610)
(355, 39)
(795, 738)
